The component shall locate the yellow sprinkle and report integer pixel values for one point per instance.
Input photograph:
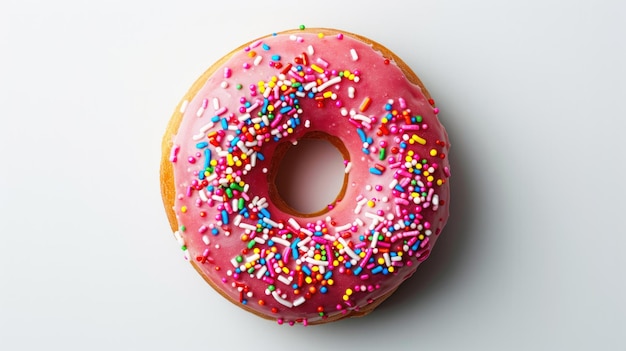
(256, 250)
(381, 260)
(270, 108)
(433, 152)
(421, 236)
(371, 203)
(317, 257)
(390, 269)
(408, 159)
(426, 173)
(274, 79)
(348, 291)
(346, 73)
(329, 281)
(328, 94)
(317, 68)
(346, 297)
(285, 270)
(315, 268)
(430, 178)
(213, 162)
(410, 153)
(335, 263)
(351, 76)
(289, 130)
(308, 280)
(439, 182)
(283, 88)
(320, 35)
(244, 156)
(419, 140)
(183, 209)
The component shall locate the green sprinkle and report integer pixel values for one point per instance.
(239, 259)
(271, 288)
(251, 244)
(229, 193)
(251, 270)
(381, 154)
(302, 27)
(184, 247)
(182, 228)
(239, 86)
(240, 204)
(418, 119)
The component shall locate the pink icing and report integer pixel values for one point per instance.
(298, 269)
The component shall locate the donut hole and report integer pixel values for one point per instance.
(310, 177)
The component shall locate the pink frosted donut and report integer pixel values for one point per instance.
(220, 156)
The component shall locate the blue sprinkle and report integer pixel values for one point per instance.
(375, 171)
(265, 103)
(260, 156)
(357, 270)
(385, 271)
(278, 256)
(388, 107)
(365, 151)
(328, 275)
(214, 119)
(399, 188)
(285, 109)
(294, 253)
(294, 286)
(201, 176)
(265, 212)
(403, 145)
(348, 265)
(266, 47)
(370, 140)
(224, 216)
(202, 145)
(270, 243)
(318, 233)
(362, 134)
(306, 270)
(276, 57)
(295, 243)
(214, 231)
(416, 245)
(207, 157)
(323, 290)
(377, 269)
(224, 124)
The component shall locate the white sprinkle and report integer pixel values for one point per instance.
(299, 301)
(374, 216)
(307, 124)
(200, 111)
(261, 272)
(247, 226)
(374, 241)
(354, 55)
(343, 227)
(387, 259)
(281, 300)
(316, 262)
(284, 280)
(258, 60)
(361, 118)
(328, 83)
(234, 262)
(293, 223)
(306, 231)
(348, 167)
(217, 198)
(304, 242)
(205, 128)
(280, 240)
(183, 106)
(203, 196)
(242, 147)
(179, 238)
(393, 184)
(205, 239)
(224, 84)
(253, 258)
(310, 50)
(351, 92)
(270, 222)
(348, 249)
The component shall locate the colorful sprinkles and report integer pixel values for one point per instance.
(297, 260)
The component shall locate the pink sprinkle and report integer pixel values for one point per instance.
(227, 72)
(339, 36)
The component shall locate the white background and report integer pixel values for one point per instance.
(532, 93)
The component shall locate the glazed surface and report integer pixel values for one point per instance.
(269, 259)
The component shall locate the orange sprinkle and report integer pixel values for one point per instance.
(365, 104)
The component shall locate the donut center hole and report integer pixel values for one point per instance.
(311, 175)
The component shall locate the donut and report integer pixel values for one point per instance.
(220, 157)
